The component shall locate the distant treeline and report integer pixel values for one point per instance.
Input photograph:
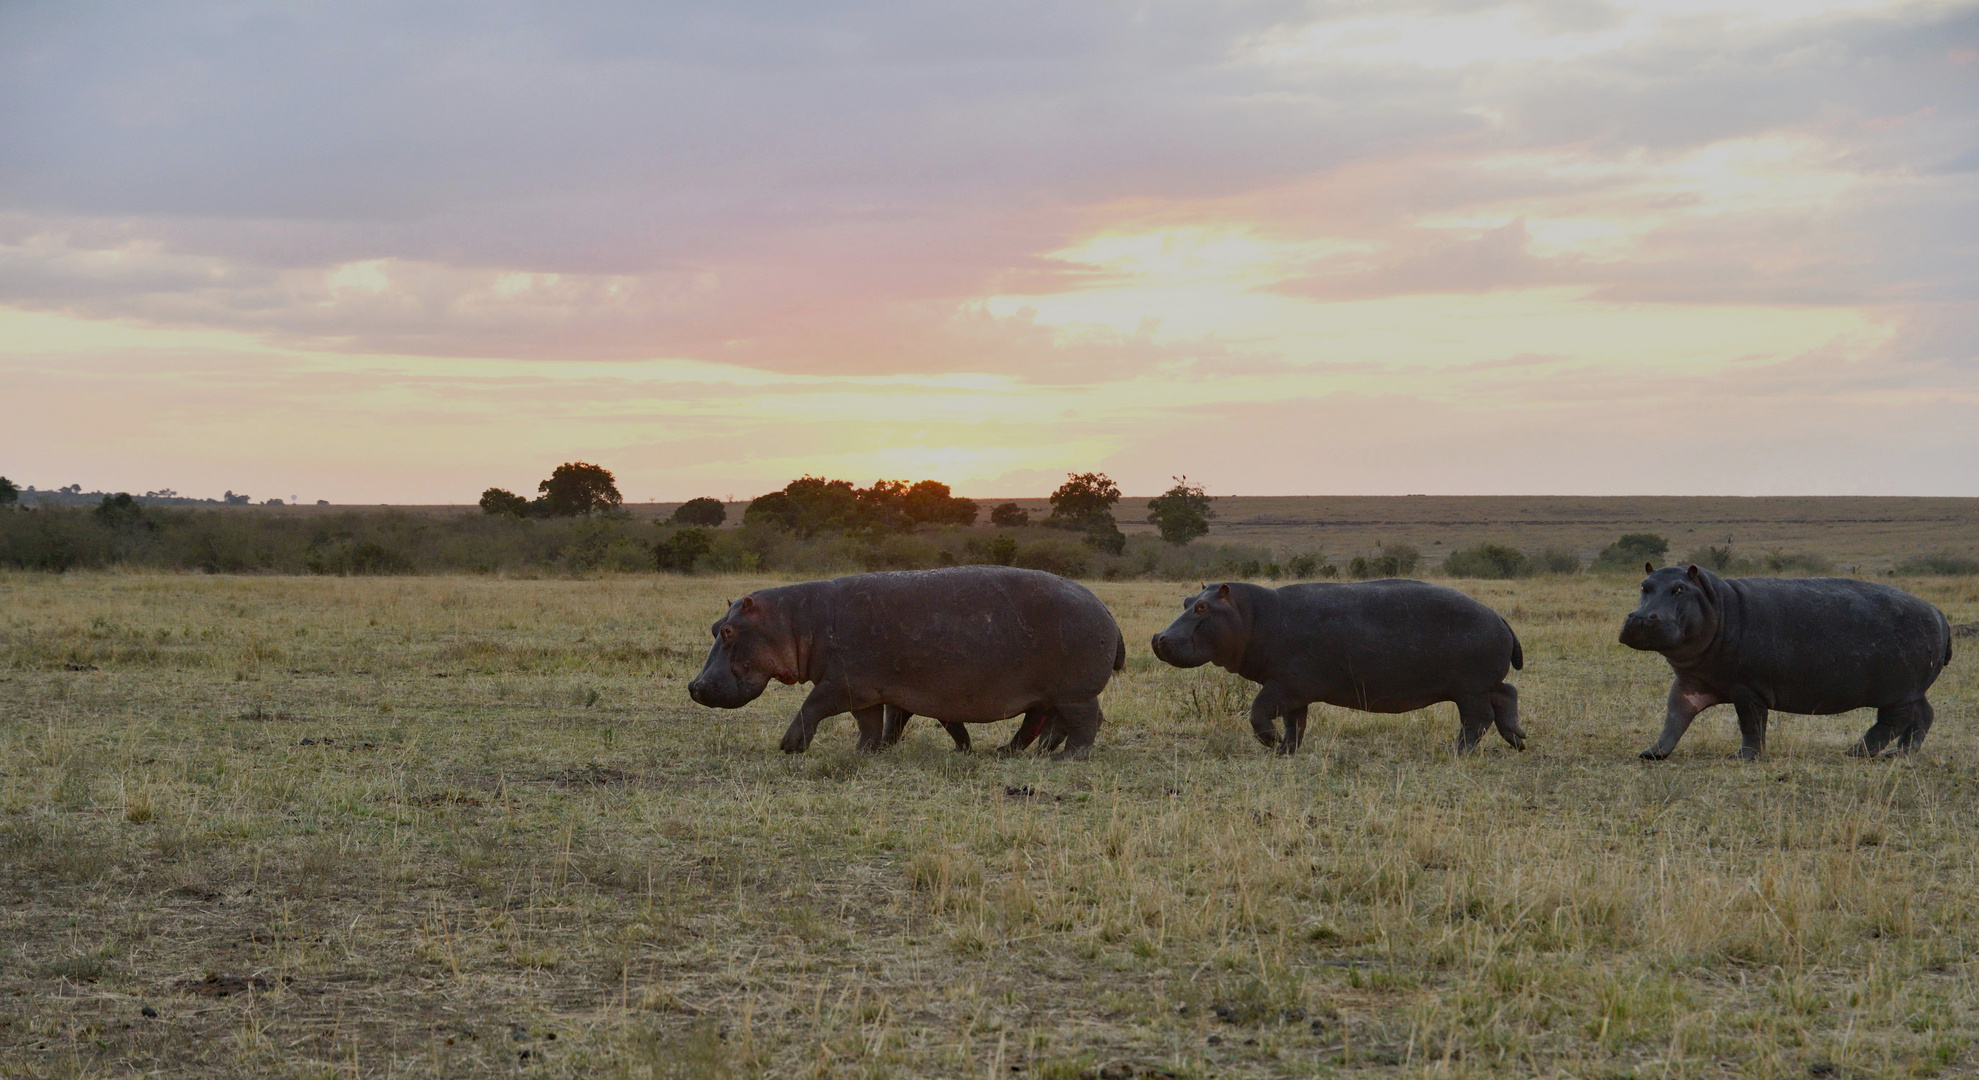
(812, 526)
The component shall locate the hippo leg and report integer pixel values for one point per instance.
(1295, 730)
(1079, 721)
(1474, 718)
(1751, 728)
(872, 728)
(1053, 735)
(1505, 713)
(1895, 723)
(959, 733)
(1684, 705)
(1912, 738)
(1266, 708)
(1027, 731)
(825, 699)
(896, 724)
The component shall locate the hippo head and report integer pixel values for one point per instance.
(1679, 608)
(1211, 629)
(751, 647)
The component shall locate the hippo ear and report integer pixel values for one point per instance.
(748, 604)
(1692, 572)
(1223, 591)
(1648, 567)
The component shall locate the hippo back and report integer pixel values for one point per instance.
(1826, 645)
(969, 643)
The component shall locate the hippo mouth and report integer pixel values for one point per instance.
(1649, 634)
(1169, 655)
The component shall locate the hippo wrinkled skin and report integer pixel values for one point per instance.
(964, 645)
(1808, 645)
(1385, 646)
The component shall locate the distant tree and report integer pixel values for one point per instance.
(579, 488)
(1010, 516)
(119, 511)
(497, 501)
(808, 506)
(701, 511)
(1085, 502)
(1181, 513)
(1310, 565)
(679, 552)
(929, 502)
(232, 499)
(9, 494)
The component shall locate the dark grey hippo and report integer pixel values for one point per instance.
(1807, 645)
(1379, 646)
(964, 645)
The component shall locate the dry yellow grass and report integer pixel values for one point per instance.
(459, 826)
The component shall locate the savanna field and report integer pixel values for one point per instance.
(472, 826)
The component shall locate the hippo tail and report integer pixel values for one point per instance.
(1119, 651)
(1949, 635)
(1518, 650)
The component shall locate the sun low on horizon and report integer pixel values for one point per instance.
(382, 255)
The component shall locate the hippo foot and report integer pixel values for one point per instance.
(1654, 754)
(1514, 739)
(1073, 753)
(1748, 753)
(793, 743)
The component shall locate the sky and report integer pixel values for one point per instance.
(379, 252)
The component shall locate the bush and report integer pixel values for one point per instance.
(997, 551)
(678, 553)
(346, 558)
(1397, 560)
(1010, 516)
(1310, 565)
(702, 511)
(1938, 565)
(1487, 561)
(9, 494)
(1720, 560)
(1057, 556)
(1556, 561)
(1796, 562)
(1181, 513)
(1631, 551)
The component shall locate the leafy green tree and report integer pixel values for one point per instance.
(1084, 502)
(9, 494)
(579, 488)
(702, 511)
(498, 501)
(1181, 513)
(808, 506)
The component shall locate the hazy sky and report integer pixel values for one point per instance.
(390, 252)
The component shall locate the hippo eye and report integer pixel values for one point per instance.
(728, 633)
(1678, 590)
(1202, 609)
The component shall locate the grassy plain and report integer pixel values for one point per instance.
(473, 827)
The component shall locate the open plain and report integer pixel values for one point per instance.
(471, 826)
